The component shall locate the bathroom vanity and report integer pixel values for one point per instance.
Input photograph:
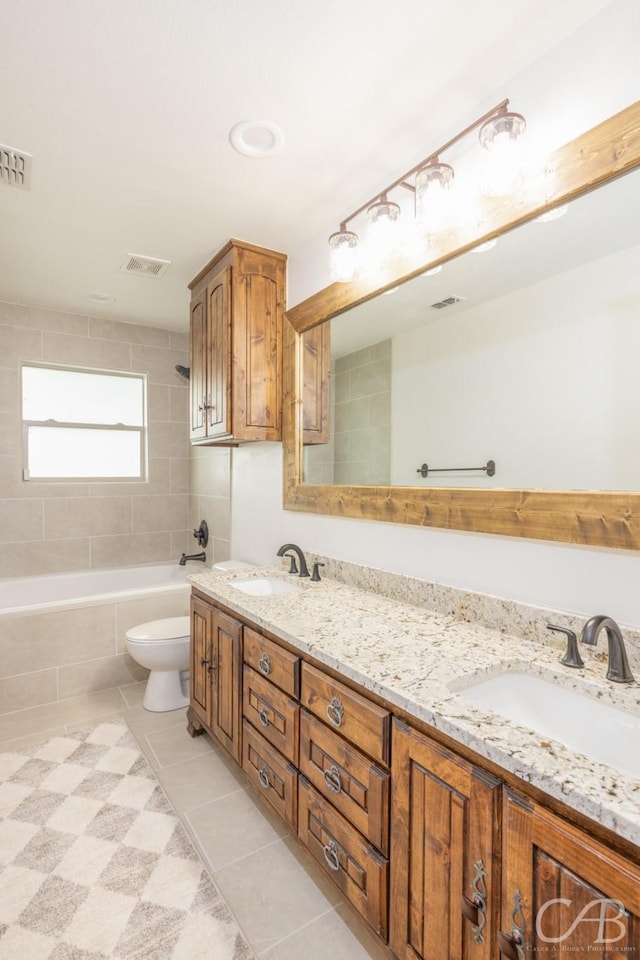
(451, 831)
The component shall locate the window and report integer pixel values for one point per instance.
(83, 424)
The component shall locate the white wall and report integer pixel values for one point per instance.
(541, 380)
(585, 79)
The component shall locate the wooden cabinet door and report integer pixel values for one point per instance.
(198, 366)
(258, 310)
(201, 652)
(444, 817)
(226, 681)
(218, 355)
(565, 894)
(316, 368)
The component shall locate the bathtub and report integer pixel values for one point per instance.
(63, 635)
(88, 586)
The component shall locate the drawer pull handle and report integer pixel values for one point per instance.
(331, 855)
(263, 777)
(332, 779)
(264, 664)
(263, 717)
(335, 712)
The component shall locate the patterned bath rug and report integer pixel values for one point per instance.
(94, 863)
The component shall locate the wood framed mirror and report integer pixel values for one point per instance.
(606, 518)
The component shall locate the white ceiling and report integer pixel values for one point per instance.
(126, 108)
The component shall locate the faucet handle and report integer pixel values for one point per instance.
(315, 574)
(572, 656)
(293, 566)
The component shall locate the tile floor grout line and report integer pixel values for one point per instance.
(303, 927)
(245, 856)
(199, 806)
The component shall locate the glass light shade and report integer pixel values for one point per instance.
(383, 212)
(343, 247)
(501, 137)
(432, 185)
(483, 247)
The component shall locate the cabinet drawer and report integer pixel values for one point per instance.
(275, 777)
(280, 666)
(359, 869)
(355, 785)
(272, 713)
(362, 722)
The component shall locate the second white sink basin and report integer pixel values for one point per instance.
(587, 726)
(264, 587)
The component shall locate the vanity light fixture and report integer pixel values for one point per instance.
(499, 131)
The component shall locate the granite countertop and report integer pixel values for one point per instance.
(421, 661)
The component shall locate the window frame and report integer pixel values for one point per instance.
(142, 430)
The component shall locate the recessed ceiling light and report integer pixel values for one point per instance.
(101, 298)
(257, 138)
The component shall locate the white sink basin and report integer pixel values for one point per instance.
(587, 726)
(264, 587)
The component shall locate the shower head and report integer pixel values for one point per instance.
(183, 371)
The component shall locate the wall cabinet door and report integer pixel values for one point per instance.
(444, 879)
(564, 893)
(218, 355)
(316, 371)
(198, 366)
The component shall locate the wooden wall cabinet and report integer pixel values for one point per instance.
(216, 671)
(237, 309)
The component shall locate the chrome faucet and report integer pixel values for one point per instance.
(619, 670)
(192, 556)
(289, 548)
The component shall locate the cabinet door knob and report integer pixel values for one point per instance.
(263, 717)
(335, 712)
(263, 777)
(331, 855)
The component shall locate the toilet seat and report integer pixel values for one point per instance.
(157, 631)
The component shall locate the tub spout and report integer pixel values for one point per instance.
(192, 556)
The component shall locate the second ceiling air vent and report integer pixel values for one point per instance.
(447, 302)
(145, 266)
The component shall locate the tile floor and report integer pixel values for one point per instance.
(285, 906)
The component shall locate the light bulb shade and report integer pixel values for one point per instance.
(432, 184)
(501, 172)
(343, 251)
(383, 212)
(502, 128)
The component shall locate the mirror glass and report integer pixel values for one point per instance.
(524, 356)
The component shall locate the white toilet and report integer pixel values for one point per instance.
(163, 647)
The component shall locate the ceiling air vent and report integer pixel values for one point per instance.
(447, 302)
(15, 167)
(145, 266)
